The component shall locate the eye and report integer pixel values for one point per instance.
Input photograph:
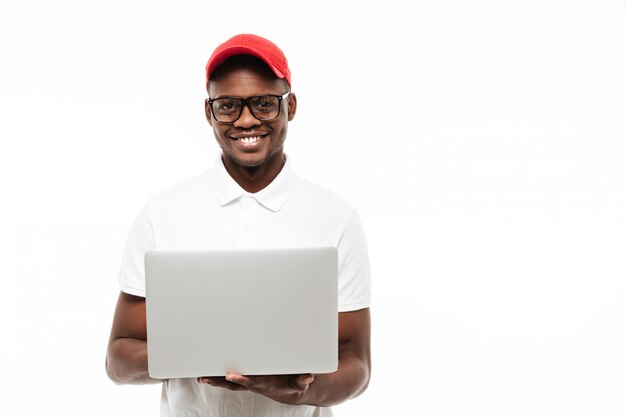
(265, 104)
(227, 105)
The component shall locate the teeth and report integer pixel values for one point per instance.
(250, 140)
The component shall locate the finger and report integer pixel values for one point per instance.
(305, 379)
(302, 382)
(221, 383)
(240, 380)
(210, 379)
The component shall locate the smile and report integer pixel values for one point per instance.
(252, 139)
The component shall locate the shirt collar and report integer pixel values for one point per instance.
(273, 197)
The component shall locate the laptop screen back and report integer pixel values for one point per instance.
(251, 312)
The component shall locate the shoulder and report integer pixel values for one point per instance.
(321, 192)
(320, 196)
(321, 199)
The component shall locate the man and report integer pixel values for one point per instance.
(250, 199)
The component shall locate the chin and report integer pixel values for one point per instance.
(248, 161)
(249, 164)
(251, 160)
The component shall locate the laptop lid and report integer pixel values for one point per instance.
(252, 312)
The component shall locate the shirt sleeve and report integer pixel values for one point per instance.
(354, 268)
(140, 239)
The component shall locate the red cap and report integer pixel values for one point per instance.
(247, 44)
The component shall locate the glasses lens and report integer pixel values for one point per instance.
(264, 107)
(227, 109)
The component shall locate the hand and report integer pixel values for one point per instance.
(286, 389)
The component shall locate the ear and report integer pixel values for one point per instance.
(207, 112)
(292, 105)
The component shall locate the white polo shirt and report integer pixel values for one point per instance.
(211, 211)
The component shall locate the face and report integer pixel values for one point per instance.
(249, 142)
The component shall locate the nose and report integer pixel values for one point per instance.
(246, 119)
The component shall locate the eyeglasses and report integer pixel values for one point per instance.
(228, 109)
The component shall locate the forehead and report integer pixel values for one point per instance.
(244, 80)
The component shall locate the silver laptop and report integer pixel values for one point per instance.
(252, 312)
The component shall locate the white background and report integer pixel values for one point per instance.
(482, 143)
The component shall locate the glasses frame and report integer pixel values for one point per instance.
(244, 103)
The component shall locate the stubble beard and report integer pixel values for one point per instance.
(254, 163)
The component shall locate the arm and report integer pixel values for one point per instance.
(324, 390)
(127, 352)
(353, 374)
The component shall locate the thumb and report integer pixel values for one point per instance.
(304, 380)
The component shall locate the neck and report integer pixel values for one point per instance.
(255, 178)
